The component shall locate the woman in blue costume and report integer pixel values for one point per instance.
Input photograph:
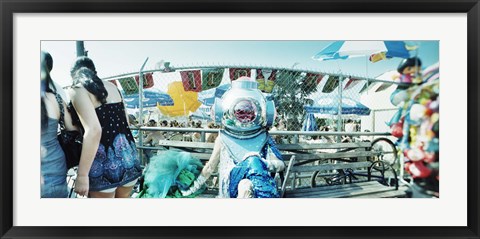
(244, 153)
(109, 165)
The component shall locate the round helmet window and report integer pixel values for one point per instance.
(245, 111)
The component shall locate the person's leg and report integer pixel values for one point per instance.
(55, 191)
(245, 189)
(125, 191)
(107, 193)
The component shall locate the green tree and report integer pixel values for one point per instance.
(289, 94)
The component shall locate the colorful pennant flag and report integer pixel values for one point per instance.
(331, 84)
(266, 85)
(114, 82)
(383, 86)
(351, 83)
(312, 80)
(147, 80)
(378, 57)
(192, 80)
(211, 78)
(369, 85)
(260, 80)
(129, 85)
(271, 81)
(236, 73)
(288, 76)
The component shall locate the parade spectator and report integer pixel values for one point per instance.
(132, 122)
(168, 134)
(109, 165)
(327, 138)
(280, 126)
(164, 124)
(350, 127)
(152, 139)
(211, 136)
(315, 139)
(53, 166)
(196, 136)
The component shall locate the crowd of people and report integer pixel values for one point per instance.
(153, 137)
(109, 164)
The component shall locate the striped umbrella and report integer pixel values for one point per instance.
(151, 99)
(329, 105)
(309, 124)
(207, 97)
(375, 50)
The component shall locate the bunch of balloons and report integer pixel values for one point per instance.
(416, 125)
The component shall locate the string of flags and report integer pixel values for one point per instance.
(130, 84)
(208, 78)
(198, 80)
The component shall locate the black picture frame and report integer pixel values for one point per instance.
(9, 7)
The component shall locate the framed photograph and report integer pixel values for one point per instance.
(186, 30)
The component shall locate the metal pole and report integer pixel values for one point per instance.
(80, 49)
(339, 114)
(140, 101)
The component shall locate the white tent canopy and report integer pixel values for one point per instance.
(379, 103)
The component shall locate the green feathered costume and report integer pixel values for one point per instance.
(169, 172)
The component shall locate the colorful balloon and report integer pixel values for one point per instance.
(397, 130)
(419, 170)
(417, 112)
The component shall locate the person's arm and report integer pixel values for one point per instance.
(213, 161)
(207, 171)
(275, 162)
(210, 137)
(148, 138)
(91, 137)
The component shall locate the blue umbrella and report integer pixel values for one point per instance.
(207, 97)
(150, 99)
(310, 124)
(329, 105)
(200, 115)
(376, 50)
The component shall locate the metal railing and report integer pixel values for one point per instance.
(281, 133)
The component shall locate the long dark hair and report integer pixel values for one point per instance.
(80, 62)
(46, 85)
(409, 62)
(91, 82)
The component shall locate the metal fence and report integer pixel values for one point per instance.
(304, 99)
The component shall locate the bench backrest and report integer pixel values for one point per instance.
(297, 147)
(303, 152)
